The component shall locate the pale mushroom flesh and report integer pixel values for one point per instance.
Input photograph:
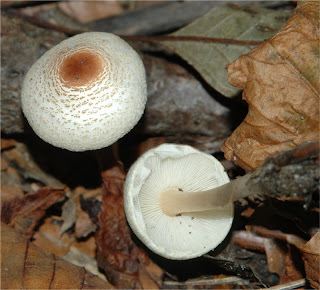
(182, 167)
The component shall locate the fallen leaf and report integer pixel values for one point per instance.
(10, 192)
(310, 251)
(19, 158)
(228, 22)
(68, 215)
(123, 262)
(78, 258)
(24, 213)
(25, 266)
(294, 268)
(87, 11)
(148, 275)
(48, 237)
(4, 164)
(84, 225)
(280, 79)
(311, 258)
(87, 246)
(276, 257)
(238, 258)
(7, 143)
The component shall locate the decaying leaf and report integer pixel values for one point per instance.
(311, 258)
(78, 258)
(25, 266)
(49, 239)
(10, 192)
(310, 251)
(24, 213)
(86, 11)
(276, 257)
(19, 158)
(126, 265)
(228, 22)
(84, 225)
(294, 268)
(280, 79)
(68, 215)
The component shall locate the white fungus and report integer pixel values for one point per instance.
(86, 92)
(187, 235)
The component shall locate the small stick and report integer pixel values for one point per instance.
(199, 282)
(290, 285)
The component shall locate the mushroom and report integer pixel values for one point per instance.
(185, 169)
(86, 92)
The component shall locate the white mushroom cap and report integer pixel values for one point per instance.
(188, 235)
(86, 92)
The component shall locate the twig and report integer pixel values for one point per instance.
(247, 239)
(43, 24)
(290, 285)
(212, 281)
(160, 38)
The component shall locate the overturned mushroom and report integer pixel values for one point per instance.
(86, 92)
(185, 169)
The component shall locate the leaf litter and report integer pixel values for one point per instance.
(227, 22)
(90, 220)
(280, 79)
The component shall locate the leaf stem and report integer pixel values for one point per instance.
(158, 38)
(190, 38)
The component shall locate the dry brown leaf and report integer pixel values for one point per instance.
(68, 215)
(23, 170)
(310, 251)
(311, 258)
(280, 79)
(84, 225)
(48, 237)
(123, 262)
(276, 257)
(24, 213)
(7, 143)
(294, 269)
(10, 192)
(86, 11)
(25, 266)
(88, 246)
(4, 164)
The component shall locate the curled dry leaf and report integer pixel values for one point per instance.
(126, 265)
(311, 257)
(25, 266)
(24, 213)
(280, 79)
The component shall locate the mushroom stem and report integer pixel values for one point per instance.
(173, 201)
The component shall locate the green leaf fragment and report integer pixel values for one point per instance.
(227, 22)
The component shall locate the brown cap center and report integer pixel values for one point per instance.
(80, 68)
